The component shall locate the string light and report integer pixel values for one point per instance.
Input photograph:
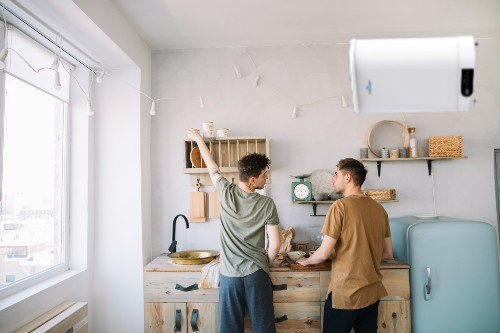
(237, 72)
(55, 64)
(99, 77)
(344, 103)
(294, 112)
(57, 81)
(3, 56)
(90, 110)
(153, 109)
(202, 105)
(256, 81)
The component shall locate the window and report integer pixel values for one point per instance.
(33, 166)
(33, 208)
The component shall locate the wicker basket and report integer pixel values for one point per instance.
(445, 146)
(386, 194)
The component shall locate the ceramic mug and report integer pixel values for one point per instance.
(394, 153)
(222, 133)
(208, 129)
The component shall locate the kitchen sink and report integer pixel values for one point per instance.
(193, 257)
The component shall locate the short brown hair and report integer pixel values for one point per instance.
(252, 165)
(355, 168)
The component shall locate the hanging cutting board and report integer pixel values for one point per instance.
(198, 205)
(213, 205)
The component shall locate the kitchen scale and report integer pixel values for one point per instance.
(302, 190)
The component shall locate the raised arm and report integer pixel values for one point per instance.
(213, 168)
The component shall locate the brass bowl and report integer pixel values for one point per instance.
(193, 257)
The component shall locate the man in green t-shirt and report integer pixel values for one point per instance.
(246, 217)
(357, 228)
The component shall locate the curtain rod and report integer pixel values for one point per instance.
(46, 37)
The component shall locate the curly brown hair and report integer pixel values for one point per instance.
(355, 168)
(252, 165)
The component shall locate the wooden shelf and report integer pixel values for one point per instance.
(226, 152)
(315, 203)
(410, 159)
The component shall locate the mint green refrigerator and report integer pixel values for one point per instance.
(454, 273)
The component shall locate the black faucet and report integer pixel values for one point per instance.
(173, 247)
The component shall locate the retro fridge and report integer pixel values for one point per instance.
(454, 273)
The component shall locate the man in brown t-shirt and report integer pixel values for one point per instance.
(357, 228)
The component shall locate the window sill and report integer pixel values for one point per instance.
(22, 295)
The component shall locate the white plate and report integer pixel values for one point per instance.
(321, 181)
(426, 216)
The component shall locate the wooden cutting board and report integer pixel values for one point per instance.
(197, 207)
(213, 205)
(325, 265)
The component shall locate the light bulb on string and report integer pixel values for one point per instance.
(237, 72)
(294, 112)
(90, 112)
(256, 81)
(344, 103)
(202, 105)
(3, 56)
(99, 77)
(153, 109)
(55, 64)
(57, 81)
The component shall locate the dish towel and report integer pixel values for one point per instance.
(210, 274)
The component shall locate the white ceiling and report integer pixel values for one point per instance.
(171, 24)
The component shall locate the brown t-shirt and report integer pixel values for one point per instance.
(359, 224)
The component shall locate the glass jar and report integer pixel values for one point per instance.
(413, 142)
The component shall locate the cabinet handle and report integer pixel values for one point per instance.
(190, 288)
(178, 320)
(394, 323)
(280, 319)
(280, 286)
(194, 317)
(428, 285)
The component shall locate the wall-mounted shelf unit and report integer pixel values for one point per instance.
(226, 152)
(408, 159)
(316, 203)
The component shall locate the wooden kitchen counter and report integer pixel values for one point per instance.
(163, 263)
(173, 298)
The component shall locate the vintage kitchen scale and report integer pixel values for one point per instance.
(302, 190)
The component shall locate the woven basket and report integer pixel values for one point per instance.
(386, 194)
(445, 146)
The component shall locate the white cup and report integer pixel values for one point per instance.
(208, 129)
(222, 133)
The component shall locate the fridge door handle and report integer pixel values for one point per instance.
(428, 285)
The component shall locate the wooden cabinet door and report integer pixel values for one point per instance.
(394, 316)
(292, 317)
(292, 287)
(202, 317)
(164, 317)
(161, 317)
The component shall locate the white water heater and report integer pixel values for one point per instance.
(412, 74)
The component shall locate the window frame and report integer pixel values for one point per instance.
(38, 278)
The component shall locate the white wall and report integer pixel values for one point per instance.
(322, 134)
(117, 290)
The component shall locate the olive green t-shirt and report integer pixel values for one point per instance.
(360, 225)
(243, 219)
